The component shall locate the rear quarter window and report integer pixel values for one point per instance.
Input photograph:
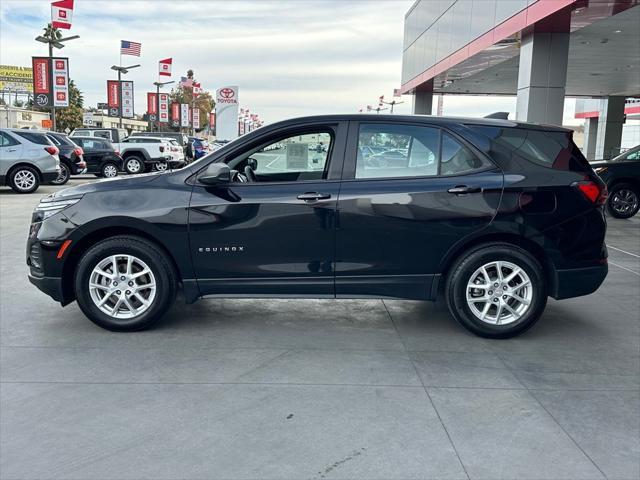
(39, 138)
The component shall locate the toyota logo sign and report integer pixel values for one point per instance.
(227, 92)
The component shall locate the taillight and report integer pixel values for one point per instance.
(78, 151)
(52, 150)
(117, 152)
(161, 149)
(593, 191)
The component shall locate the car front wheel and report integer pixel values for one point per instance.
(125, 283)
(496, 291)
(134, 165)
(24, 180)
(624, 201)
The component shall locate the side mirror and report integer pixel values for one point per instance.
(253, 163)
(215, 174)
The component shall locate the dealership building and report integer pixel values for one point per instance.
(541, 51)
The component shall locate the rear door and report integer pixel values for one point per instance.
(400, 213)
(10, 152)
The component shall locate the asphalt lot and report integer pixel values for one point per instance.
(303, 389)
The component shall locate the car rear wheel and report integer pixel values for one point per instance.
(134, 165)
(624, 201)
(496, 291)
(109, 170)
(162, 166)
(24, 180)
(63, 176)
(125, 283)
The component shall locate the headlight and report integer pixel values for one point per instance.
(50, 206)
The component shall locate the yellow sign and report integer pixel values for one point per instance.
(16, 78)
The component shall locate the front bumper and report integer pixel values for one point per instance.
(577, 282)
(52, 286)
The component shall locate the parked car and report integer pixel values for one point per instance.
(146, 153)
(27, 159)
(622, 176)
(100, 156)
(512, 214)
(71, 157)
(181, 138)
(114, 135)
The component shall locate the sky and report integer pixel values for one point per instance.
(289, 58)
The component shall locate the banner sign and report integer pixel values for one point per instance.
(163, 108)
(19, 79)
(227, 113)
(113, 98)
(212, 120)
(152, 106)
(61, 13)
(164, 67)
(175, 114)
(60, 82)
(184, 114)
(42, 90)
(196, 118)
(127, 99)
(241, 127)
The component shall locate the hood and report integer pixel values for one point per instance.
(118, 183)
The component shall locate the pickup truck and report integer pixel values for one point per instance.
(140, 154)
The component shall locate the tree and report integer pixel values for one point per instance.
(51, 33)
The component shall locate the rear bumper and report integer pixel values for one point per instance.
(52, 286)
(576, 282)
(49, 176)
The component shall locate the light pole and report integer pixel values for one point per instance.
(121, 71)
(158, 85)
(57, 43)
(392, 103)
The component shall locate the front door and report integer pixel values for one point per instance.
(410, 193)
(271, 231)
(10, 153)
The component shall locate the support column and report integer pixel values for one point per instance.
(542, 77)
(590, 136)
(423, 99)
(610, 128)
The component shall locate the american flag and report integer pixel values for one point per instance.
(130, 48)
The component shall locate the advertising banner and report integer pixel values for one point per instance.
(184, 114)
(163, 108)
(212, 120)
(127, 99)
(152, 106)
(60, 82)
(175, 114)
(241, 127)
(113, 98)
(196, 118)
(42, 90)
(18, 79)
(61, 13)
(227, 113)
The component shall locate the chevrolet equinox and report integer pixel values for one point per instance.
(495, 214)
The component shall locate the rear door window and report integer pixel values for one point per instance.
(39, 138)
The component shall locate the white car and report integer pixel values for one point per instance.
(27, 159)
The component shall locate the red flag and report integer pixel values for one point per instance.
(61, 13)
(164, 67)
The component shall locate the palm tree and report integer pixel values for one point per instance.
(52, 33)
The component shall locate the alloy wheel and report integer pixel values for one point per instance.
(63, 175)
(499, 293)
(24, 180)
(110, 171)
(624, 201)
(133, 166)
(122, 286)
(162, 166)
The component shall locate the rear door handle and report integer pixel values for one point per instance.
(313, 196)
(462, 189)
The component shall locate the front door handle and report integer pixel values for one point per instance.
(11, 150)
(313, 196)
(462, 189)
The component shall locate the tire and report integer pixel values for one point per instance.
(497, 323)
(162, 166)
(133, 165)
(146, 255)
(64, 176)
(109, 170)
(24, 179)
(623, 201)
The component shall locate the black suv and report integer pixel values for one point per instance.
(622, 176)
(497, 214)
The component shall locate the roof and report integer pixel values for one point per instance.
(427, 119)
